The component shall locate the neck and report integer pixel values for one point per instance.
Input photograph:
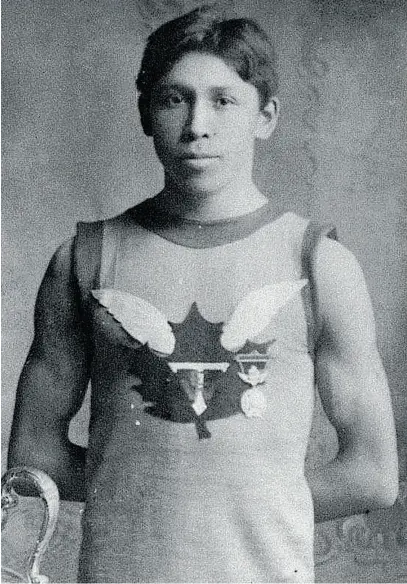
(205, 206)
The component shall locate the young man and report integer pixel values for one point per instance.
(202, 320)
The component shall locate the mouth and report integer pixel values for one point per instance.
(199, 161)
(198, 156)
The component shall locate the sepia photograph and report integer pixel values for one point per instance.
(204, 318)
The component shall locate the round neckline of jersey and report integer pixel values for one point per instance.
(178, 219)
(200, 234)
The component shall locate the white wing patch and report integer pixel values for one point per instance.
(139, 318)
(255, 311)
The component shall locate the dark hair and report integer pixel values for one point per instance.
(240, 42)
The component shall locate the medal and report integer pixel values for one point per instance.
(253, 403)
(253, 371)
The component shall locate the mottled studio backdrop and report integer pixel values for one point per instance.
(73, 150)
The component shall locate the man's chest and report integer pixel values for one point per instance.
(172, 277)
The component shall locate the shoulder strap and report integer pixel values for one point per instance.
(312, 236)
(87, 258)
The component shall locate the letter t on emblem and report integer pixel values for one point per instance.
(198, 403)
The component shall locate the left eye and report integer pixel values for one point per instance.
(224, 101)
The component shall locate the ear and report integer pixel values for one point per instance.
(144, 109)
(267, 119)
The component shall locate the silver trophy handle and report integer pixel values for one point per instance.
(48, 492)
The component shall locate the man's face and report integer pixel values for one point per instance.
(204, 121)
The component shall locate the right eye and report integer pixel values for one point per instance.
(172, 100)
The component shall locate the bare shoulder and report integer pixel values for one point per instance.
(59, 271)
(56, 304)
(336, 261)
(343, 298)
(61, 261)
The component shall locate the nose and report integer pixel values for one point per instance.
(199, 123)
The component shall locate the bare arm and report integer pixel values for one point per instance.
(53, 383)
(354, 392)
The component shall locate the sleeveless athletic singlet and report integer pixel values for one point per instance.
(202, 398)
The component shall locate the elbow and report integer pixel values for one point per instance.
(373, 481)
(386, 494)
(383, 485)
(21, 453)
(28, 449)
(16, 453)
